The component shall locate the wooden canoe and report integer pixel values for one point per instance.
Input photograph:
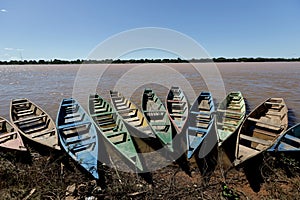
(10, 137)
(34, 123)
(260, 129)
(134, 119)
(230, 115)
(113, 129)
(289, 141)
(177, 107)
(156, 114)
(78, 135)
(201, 122)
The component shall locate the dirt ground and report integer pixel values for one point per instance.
(55, 176)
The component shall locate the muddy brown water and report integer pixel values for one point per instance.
(47, 85)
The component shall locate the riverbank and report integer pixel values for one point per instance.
(55, 176)
(140, 61)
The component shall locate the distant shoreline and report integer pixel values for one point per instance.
(133, 61)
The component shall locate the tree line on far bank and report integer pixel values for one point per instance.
(178, 60)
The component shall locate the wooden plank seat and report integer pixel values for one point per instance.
(7, 134)
(229, 112)
(256, 140)
(77, 139)
(286, 146)
(158, 123)
(121, 106)
(73, 125)
(201, 113)
(236, 100)
(177, 111)
(274, 103)
(176, 115)
(97, 106)
(226, 124)
(80, 148)
(21, 103)
(262, 122)
(257, 130)
(132, 119)
(203, 117)
(25, 114)
(73, 115)
(28, 119)
(24, 111)
(114, 134)
(174, 101)
(106, 123)
(135, 123)
(202, 125)
(107, 129)
(1, 121)
(197, 129)
(155, 111)
(101, 114)
(29, 130)
(104, 118)
(99, 110)
(274, 113)
(205, 107)
(180, 105)
(69, 105)
(243, 150)
(42, 133)
(292, 138)
(234, 107)
(127, 110)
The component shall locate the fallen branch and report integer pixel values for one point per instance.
(30, 194)
(136, 193)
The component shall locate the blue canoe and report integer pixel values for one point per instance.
(290, 140)
(200, 123)
(78, 135)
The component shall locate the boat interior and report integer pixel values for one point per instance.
(75, 128)
(265, 124)
(31, 120)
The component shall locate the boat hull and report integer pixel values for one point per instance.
(10, 137)
(260, 130)
(78, 135)
(157, 117)
(177, 108)
(230, 115)
(34, 123)
(113, 130)
(201, 123)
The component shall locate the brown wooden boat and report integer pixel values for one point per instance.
(34, 123)
(261, 129)
(10, 137)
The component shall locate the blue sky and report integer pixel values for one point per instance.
(66, 29)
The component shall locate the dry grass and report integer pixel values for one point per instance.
(48, 176)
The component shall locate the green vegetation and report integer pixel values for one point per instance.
(118, 61)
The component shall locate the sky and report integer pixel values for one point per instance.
(71, 29)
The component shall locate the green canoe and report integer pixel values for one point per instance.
(113, 129)
(230, 114)
(157, 116)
